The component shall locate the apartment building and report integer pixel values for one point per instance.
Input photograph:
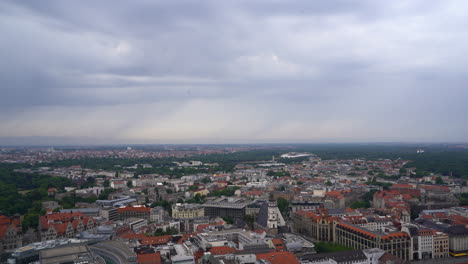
(441, 245)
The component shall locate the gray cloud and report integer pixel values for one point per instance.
(211, 71)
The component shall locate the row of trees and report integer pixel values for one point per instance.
(463, 199)
(443, 159)
(23, 193)
(437, 158)
(228, 191)
(166, 165)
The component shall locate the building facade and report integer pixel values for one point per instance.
(317, 226)
(396, 243)
(233, 208)
(187, 211)
(134, 212)
(11, 235)
(270, 217)
(109, 213)
(64, 225)
(441, 245)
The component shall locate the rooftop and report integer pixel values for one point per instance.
(342, 256)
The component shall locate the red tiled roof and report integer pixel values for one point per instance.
(185, 237)
(279, 244)
(426, 232)
(221, 182)
(75, 223)
(5, 220)
(60, 228)
(282, 257)
(435, 187)
(156, 240)
(398, 185)
(132, 235)
(201, 227)
(152, 258)
(4, 228)
(198, 255)
(259, 231)
(440, 215)
(254, 193)
(396, 235)
(63, 218)
(333, 193)
(356, 229)
(134, 209)
(222, 250)
(406, 197)
(458, 219)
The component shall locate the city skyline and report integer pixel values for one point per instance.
(152, 72)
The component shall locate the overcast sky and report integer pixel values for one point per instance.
(233, 71)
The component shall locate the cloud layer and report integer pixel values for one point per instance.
(234, 71)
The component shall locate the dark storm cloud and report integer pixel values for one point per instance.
(237, 70)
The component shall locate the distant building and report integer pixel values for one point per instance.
(293, 155)
(115, 251)
(246, 240)
(93, 212)
(121, 201)
(50, 205)
(68, 254)
(269, 217)
(298, 245)
(136, 224)
(109, 213)
(51, 191)
(55, 251)
(64, 225)
(134, 212)
(295, 206)
(186, 211)
(233, 208)
(157, 214)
